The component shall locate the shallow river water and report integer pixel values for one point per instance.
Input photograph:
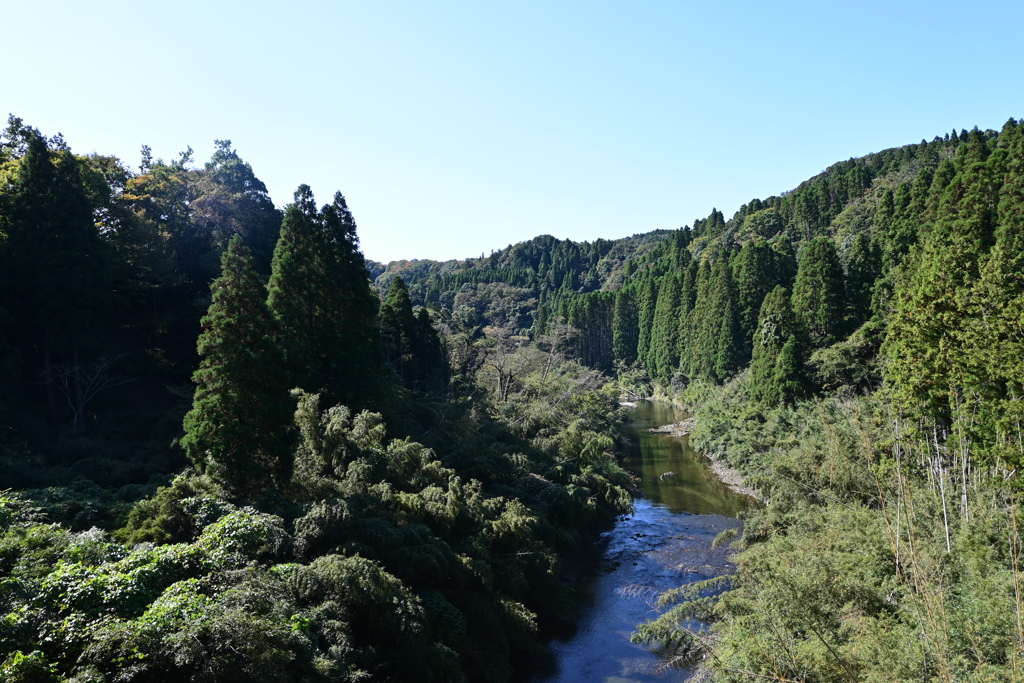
(665, 542)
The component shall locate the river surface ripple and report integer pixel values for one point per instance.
(665, 543)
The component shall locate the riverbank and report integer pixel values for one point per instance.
(729, 476)
(667, 541)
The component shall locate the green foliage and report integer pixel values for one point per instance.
(818, 298)
(663, 357)
(776, 369)
(238, 430)
(755, 274)
(887, 550)
(625, 325)
(320, 296)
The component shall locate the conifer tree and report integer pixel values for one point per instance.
(320, 295)
(818, 297)
(353, 346)
(645, 318)
(703, 329)
(729, 356)
(785, 262)
(863, 267)
(55, 269)
(294, 296)
(625, 325)
(238, 429)
(777, 365)
(664, 357)
(994, 340)
(755, 275)
(725, 341)
(687, 300)
(934, 304)
(398, 327)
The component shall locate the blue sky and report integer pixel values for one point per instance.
(455, 128)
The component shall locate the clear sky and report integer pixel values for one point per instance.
(455, 128)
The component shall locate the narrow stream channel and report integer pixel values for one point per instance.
(665, 542)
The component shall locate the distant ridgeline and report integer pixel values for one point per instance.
(686, 304)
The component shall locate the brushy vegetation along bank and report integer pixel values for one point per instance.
(880, 415)
(373, 492)
(379, 558)
(870, 561)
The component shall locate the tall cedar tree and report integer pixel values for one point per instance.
(755, 275)
(717, 344)
(863, 267)
(239, 428)
(645, 318)
(320, 295)
(818, 296)
(995, 337)
(729, 354)
(398, 330)
(700, 353)
(625, 325)
(687, 300)
(354, 346)
(56, 269)
(776, 366)
(926, 342)
(295, 295)
(664, 358)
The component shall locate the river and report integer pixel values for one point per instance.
(665, 543)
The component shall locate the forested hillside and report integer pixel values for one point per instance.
(233, 449)
(226, 458)
(854, 348)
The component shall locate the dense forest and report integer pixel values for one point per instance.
(227, 458)
(853, 347)
(233, 448)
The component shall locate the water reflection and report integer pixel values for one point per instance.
(666, 542)
(690, 486)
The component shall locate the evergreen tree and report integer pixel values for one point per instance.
(398, 327)
(730, 353)
(994, 339)
(703, 329)
(238, 429)
(320, 295)
(625, 325)
(687, 300)
(785, 262)
(863, 267)
(934, 304)
(57, 280)
(645, 319)
(788, 385)
(818, 297)
(777, 365)
(664, 359)
(295, 293)
(755, 275)
(353, 345)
